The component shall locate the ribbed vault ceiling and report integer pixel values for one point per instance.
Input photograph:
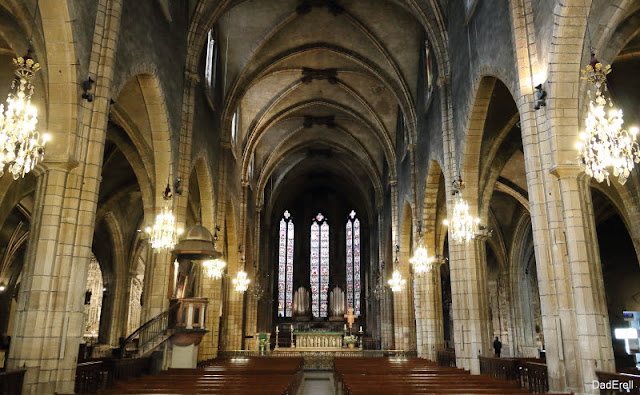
(351, 112)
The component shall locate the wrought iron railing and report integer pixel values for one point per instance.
(502, 368)
(11, 382)
(149, 332)
(529, 374)
(537, 379)
(446, 358)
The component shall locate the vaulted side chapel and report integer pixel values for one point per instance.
(331, 184)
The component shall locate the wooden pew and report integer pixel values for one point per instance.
(413, 375)
(225, 376)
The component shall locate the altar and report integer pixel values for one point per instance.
(318, 340)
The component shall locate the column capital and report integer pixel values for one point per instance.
(566, 170)
(483, 234)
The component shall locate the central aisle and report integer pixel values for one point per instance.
(317, 383)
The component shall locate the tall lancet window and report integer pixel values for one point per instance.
(319, 265)
(353, 263)
(285, 267)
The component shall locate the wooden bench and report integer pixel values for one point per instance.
(414, 375)
(238, 376)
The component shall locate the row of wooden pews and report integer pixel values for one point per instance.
(224, 376)
(413, 376)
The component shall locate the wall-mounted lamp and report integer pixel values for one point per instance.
(3, 287)
(86, 88)
(540, 96)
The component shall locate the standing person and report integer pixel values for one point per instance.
(497, 346)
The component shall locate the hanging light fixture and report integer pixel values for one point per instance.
(462, 227)
(214, 268)
(241, 282)
(421, 261)
(21, 146)
(604, 146)
(164, 234)
(397, 282)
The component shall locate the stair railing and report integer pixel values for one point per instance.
(149, 331)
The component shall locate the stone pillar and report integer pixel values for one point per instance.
(419, 310)
(211, 289)
(403, 326)
(48, 324)
(122, 294)
(430, 318)
(470, 303)
(50, 314)
(158, 271)
(251, 315)
(581, 336)
(233, 314)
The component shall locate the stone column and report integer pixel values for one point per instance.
(233, 318)
(431, 315)
(50, 312)
(211, 289)
(402, 304)
(470, 305)
(582, 335)
(251, 324)
(419, 310)
(156, 279)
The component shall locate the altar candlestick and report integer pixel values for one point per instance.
(360, 328)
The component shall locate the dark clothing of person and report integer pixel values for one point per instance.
(497, 346)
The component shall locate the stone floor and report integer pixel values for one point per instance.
(317, 383)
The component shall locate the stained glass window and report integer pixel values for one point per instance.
(353, 263)
(209, 68)
(319, 265)
(285, 267)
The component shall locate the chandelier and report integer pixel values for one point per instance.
(421, 261)
(214, 268)
(164, 234)
(604, 146)
(462, 226)
(397, 282)
(241, 282)
(21, 146)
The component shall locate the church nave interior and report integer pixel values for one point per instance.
(223, 180)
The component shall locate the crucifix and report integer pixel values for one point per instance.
(350, 318)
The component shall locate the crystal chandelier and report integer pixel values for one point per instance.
(214, 268)
(241, 282)
(164, 234)
(462, 226)
(397, 282)
(21, 146)
(605, 147)
(421, 261)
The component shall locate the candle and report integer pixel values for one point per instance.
(360, 328)
(277, 328)
(345, 327)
